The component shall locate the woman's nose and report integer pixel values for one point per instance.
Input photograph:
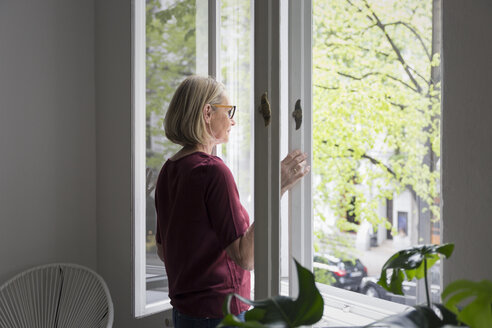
(233, 122)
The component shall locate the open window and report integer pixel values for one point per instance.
(172, 40)
(365, 76)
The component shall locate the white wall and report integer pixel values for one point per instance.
(114, 106)
(467, 138)
(47, 134)
(48, 145)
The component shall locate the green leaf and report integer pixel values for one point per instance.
(307, 309)
(397, 278)
(420, 317)
(476, 313)
(383, 280)
(456, 286)
(231, 320)
(446, 249)
(255, 314)
(411, 262)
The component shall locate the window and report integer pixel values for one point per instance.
(235, 71)
(170, 42)
(368, 120)
(376, 119)
(375, 160)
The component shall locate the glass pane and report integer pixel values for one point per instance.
(376, 137)
(235, 71)
(176, 46)
(236, 53)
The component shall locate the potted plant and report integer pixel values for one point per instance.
(414, 263)
(281, 311)
(409, 263)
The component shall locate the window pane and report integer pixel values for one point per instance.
(176, 46)
(376, 137)
(236, 72)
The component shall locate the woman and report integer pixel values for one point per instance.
(203, 232)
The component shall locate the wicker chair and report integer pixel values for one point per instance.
(56, 295)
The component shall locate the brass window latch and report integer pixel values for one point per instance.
(297, 114)
(265, 109)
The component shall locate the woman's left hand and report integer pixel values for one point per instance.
(292, 169)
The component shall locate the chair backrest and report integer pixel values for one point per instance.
(58, 295)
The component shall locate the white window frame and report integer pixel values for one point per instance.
(299, 88)
(140, 306)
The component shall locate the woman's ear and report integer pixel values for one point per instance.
(207, 113)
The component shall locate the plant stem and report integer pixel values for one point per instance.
(426, 283)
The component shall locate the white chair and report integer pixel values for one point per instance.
(58, 295)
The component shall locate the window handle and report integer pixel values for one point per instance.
(265, 109)
(297, 114)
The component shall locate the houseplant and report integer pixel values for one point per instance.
(281, 311)
(409, 263)
(413, 263)
(477, 312)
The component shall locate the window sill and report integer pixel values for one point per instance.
(346, 308)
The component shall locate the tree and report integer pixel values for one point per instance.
(170, 56)
(377, 107)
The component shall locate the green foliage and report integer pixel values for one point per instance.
(420, 317)
(478, 312)
(324, 276)
(376, 105)
(335, 243)
(475, 298)
(282, 311)
(414, 262)
(170, 56)
(150, 246)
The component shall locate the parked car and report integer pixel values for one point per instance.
(340, 273)
(370, 287)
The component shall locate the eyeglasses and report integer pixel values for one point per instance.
(230, 112)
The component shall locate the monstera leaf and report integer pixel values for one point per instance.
(281, 311)
(436, 316)
(414, 262)
(478, 312)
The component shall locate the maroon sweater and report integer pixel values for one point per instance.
(198, 216)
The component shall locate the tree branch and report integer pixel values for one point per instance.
(378, 163)
(337, 44)
(325, 87)
(359, 10)
(402, 107)
(428, 82)
(378, 73)
(395, 48)
(373, 160)
(415, 33)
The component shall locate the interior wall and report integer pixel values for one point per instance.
(48, 140)
(114, 157)
(47, 134)
(467, 138)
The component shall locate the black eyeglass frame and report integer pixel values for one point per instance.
(230, 112)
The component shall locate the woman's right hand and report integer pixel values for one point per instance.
(292, 169)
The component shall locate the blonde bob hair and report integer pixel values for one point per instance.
(184, 123)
